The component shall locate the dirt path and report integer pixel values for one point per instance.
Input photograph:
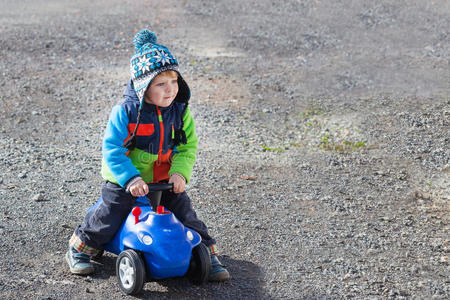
(323, 164)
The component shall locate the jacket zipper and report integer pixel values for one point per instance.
(161, 138)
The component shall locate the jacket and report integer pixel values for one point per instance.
(156, 155)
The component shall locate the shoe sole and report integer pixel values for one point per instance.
(79, 271)
(219, 277)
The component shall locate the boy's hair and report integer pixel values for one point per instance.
(168, 73)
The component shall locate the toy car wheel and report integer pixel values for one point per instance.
(130, 270)
(200, 264)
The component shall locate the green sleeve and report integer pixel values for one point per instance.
(183, 161)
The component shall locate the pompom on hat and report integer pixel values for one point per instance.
(149, 60)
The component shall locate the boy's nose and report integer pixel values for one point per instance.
(170, 88)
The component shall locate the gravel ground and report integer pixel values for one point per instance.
(323, 166)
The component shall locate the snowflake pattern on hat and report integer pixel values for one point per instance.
(148, 62)
(143, 64)
(162, 57)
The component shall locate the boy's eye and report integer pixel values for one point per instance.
(160, 84)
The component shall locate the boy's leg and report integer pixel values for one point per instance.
(99, 226)
(181, 206)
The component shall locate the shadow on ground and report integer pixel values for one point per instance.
(246, 282)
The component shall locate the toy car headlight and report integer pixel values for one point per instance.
(189, 235)
(146, 239)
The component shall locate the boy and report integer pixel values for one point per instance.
(150, 137)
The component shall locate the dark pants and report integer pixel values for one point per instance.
(101, 223)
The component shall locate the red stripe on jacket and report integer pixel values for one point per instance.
(143, 129)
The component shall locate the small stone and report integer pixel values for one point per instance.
(386, 219)
(38, 197)
(446, 168)
(372, 251)
(422, 195)
(393, 293)
(426, 196)
(246, 177)
(409, 221)
(22, 175)
(415, 269)
(88, 290)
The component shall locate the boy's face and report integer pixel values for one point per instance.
(162, 90)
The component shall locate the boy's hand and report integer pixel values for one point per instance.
(179, 183)
(139, 188)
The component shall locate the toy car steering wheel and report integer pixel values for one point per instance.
(155, 193)
(155, 187)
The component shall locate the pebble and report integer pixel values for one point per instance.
(446, 168)
(38, 197)
(422, 195)
(415, 269)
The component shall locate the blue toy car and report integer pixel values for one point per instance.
(153, 244)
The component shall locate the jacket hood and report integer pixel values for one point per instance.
(129, 92)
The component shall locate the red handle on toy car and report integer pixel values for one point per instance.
(136, 213)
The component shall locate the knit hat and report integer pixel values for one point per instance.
(149, 60)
